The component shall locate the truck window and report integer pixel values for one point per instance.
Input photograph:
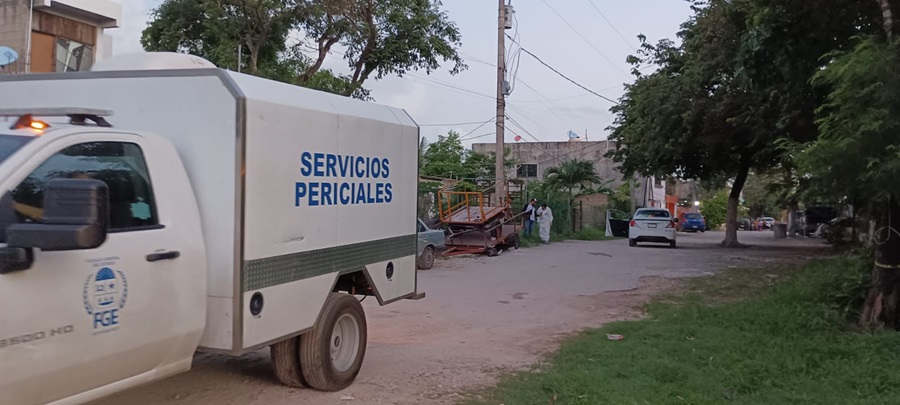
(9, 144)
(120, 165)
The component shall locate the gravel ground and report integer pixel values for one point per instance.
(482, 316)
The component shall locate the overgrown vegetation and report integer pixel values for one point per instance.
(379, 38)
(764, 336)
(715, 208)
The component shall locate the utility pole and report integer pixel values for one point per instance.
(631, 193)
(500, 186)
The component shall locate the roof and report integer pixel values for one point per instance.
(102, 13)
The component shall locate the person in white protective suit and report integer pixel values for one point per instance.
(545, 221)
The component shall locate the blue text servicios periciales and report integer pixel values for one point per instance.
(340, 191)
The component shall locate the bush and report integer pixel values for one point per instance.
(715, 209)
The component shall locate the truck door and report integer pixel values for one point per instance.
(77, 321)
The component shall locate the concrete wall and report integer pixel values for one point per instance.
(551, 154)
(14, 33)
(590, 210)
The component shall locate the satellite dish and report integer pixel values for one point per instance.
(7, 56)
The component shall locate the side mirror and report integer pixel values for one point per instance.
(76, 217)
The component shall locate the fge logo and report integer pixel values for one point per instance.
(105, 293)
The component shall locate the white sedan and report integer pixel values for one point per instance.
(652, 225)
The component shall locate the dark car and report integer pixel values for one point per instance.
(815, 215)
(691, 222)
(745, 224)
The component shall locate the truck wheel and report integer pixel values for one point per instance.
(672, 244)
(426, 261)
(331, 354)
(286, 362)
(631, 242)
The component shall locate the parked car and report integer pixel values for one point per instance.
(653, 225)
(816, 215)
(431, 243)
(768, 222)
(745, 224)
(691, 222)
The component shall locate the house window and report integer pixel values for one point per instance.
(72, 56)
(527, 170)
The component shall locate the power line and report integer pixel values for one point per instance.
(449, 86)
(591, 44)
(627, 42)
(454, 124)
(566, 77)
(476, 137)
(477, 128)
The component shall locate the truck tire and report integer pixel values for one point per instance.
(331, 354)
(286, 362)
(426, 260)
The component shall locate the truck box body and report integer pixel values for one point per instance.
(294, 186)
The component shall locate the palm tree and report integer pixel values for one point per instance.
(571, 175)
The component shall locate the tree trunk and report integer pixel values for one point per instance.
(888, 16)
(253, 69)
(731, 223)
(324, 46)
(881, 307)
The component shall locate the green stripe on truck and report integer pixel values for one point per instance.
(272, 271)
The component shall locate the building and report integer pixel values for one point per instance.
(534, 158)
(43, 36)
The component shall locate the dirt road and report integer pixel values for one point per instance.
(481, 316)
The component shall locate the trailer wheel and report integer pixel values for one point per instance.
(286, 362)
(331, 354)
(426, 261)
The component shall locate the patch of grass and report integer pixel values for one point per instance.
(787, 341)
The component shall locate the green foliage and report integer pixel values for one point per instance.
(448, 158)
(714, 209)
(548, 192)
(739, 80)
(858, 154)
(573, 175)
(620, 199)
(787, 343)
(761, 195)
(381, 38)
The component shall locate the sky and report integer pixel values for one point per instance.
(585, 40)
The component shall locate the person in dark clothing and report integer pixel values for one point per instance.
(529, 211)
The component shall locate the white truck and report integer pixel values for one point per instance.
(158, 206)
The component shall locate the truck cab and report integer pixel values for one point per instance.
(102, 264)
(135, 231)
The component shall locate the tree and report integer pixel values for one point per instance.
(213, 29)
(447, 157)
(385, 37)
(857, 155)
(572, 175)
(381, 37)
(760, 195)
(738, 82)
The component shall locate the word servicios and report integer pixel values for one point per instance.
(346, 180)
